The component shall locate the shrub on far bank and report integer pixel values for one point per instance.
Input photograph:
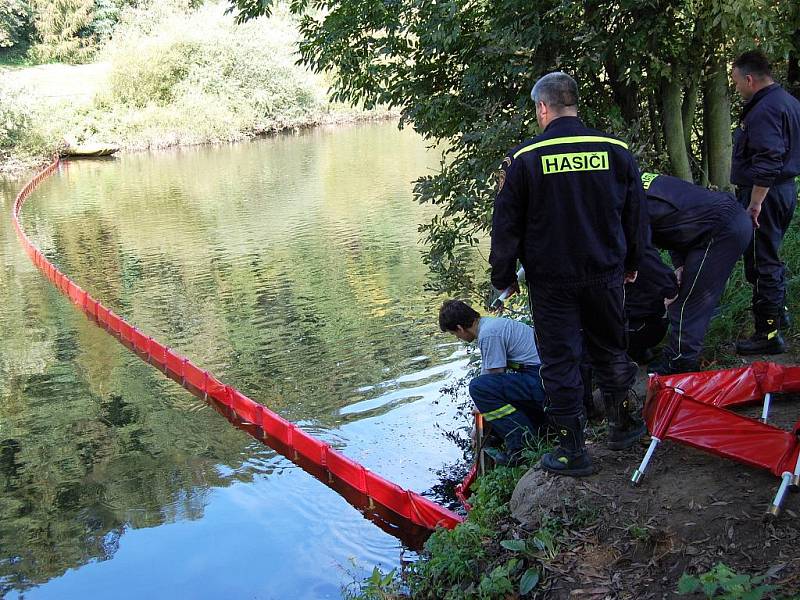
(205, 78)
(180, 76)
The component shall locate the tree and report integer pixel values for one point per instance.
(15, 23)
(460, 71)
(63, 30)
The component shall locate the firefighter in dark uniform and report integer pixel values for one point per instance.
(705, 233)
(571, 208)
(766, 159)
(646, 301)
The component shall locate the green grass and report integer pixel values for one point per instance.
(474, 560)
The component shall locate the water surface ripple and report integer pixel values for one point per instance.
(290, 268)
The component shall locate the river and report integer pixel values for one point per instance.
(289, 267)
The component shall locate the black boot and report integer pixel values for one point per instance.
(570, 456)
(590, 412)
(625, 428)
(767, 338)
(785, 319)
(671, 366)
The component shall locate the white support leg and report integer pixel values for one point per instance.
(795, 484)
(765, 410)
(639, 473)
(775, 509)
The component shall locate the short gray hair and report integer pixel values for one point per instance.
(556, 89)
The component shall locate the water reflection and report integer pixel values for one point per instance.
(288, 267)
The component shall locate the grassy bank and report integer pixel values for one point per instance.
(171, 78)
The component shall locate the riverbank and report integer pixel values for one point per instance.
(696, 519)
(168, 78)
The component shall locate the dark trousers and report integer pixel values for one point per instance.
(512, 402)
(646, 333)
(559, 315)
(705, 272)
(763, 267)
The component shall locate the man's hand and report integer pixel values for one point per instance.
(753, 210)
(756, 200)
(679, 276)
(498, 306)
(630, 276)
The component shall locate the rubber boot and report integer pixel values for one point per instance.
(590, 411)
(624, 429)
(671, 366)
(767, 338)
(785, 319)
(569, 457)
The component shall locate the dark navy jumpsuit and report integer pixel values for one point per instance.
(766, 152)
(705, 232)
(571, 208)
(644, 304)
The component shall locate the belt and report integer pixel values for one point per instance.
(519, 368)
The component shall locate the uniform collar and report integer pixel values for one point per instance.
(563, 123)
(772, 87)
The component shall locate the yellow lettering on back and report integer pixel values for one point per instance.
(574, 161)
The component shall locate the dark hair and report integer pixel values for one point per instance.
(454, 313)
(754, 62)
(556, 89)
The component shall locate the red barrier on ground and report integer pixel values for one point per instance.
(288, 439)
(690, 408)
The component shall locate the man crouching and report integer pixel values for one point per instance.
(508, 392)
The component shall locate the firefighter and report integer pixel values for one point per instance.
(571, 208)
(705, 233)
(766, 159)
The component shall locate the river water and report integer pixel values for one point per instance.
(290, 268)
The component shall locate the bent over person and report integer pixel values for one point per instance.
(766, 159)
(705, 233)
(570, 207)
(508, 392)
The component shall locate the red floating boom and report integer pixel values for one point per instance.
(351, 479)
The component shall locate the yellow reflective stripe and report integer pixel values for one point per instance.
(503, 411)
(577, 139)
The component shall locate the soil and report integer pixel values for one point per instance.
(691, 511)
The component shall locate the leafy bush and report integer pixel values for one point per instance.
(15, 117)
(722, 583)
(15, 23)
(203, 62)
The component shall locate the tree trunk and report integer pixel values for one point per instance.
(672, 121)
(717, 124)
(655, 131)
(688, 111)
(625, 95)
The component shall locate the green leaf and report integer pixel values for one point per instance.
(514, 545)
(529, 580)
(688, 584)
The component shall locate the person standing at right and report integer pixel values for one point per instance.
(766, 159)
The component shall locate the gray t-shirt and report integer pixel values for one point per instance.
(502, 340)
